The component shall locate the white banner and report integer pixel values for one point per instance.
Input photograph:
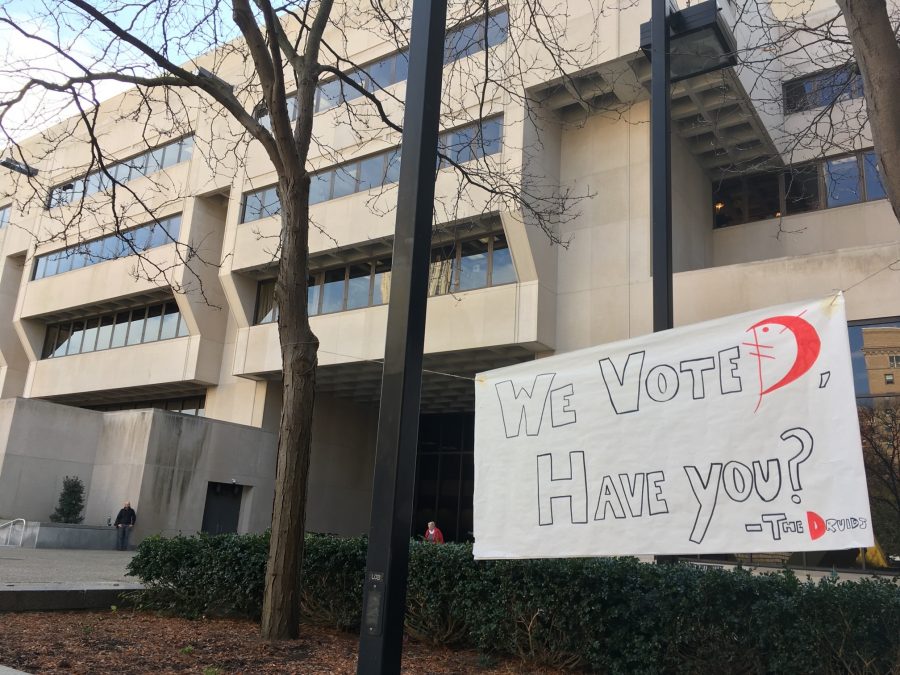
(734, 435)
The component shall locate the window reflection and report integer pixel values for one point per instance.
(148, 323)
(459, 265)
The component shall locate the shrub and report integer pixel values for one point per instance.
(607, 615)
(71, 502)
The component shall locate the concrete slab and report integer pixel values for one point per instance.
(24, 565)
(9, 671)
(50, 579)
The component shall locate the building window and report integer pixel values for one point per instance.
(822, 89)
(149, 323)
(889, 378)
(460, 265)
(4, 215)
(144, 164)
(836, 181)
(110, 247)
(894, 360)
(459, 145)
(460, 42)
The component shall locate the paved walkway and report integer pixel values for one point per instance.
(62, 566)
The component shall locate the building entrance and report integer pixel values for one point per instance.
(223, 508)
(445, 475)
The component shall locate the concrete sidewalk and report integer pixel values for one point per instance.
(49, 565)
(49, 579)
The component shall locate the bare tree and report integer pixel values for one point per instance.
(854, 46)
(879, 425)
(276, 60)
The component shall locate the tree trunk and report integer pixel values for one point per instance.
(878, 56)
(299, 346)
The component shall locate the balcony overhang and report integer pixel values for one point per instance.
(716, 118)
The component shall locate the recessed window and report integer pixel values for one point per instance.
(889, 378)
(457, 145)
(894, 360)
(148, 323)
(110, 247)
(460, 265)
(4, 215)
(142, 165)
(822, 89)
(836, 181)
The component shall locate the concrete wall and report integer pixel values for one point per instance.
(341, 467)
(159, 461)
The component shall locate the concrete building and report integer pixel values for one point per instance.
(99, 336)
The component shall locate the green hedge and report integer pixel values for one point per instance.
(608, 615)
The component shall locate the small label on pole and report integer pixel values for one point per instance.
(374, 603)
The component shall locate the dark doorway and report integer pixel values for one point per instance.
(223, 508)
(445, 475)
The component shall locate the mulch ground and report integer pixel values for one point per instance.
(127, 641)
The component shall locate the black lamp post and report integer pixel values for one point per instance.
(680, 45)
(384, 592)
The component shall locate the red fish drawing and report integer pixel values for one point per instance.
(807, 342)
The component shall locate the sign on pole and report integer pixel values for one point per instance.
(733, 435)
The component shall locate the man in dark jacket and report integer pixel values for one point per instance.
(124, 522)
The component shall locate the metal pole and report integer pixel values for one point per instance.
(384, 593)
(661, 165)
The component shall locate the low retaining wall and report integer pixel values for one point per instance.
(65, 535)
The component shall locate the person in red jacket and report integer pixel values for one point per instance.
(433, 534)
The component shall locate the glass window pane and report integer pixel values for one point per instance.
(155, 160)
(136, 329)
(392, 174)
(62, 339)
(381, 73)
(464, 41)
(842, 181)
(801, 186)
(76, 337)
(77, 258)
(473, 264)
(95, 251)
(90, 335)
(186, 148)
(271, 206)
(104, 332)
(489, 138)
(401, 66)
(874, 183)
(328, 95)
(358, 285)
(169, 322)
(763, 198)
(120, 329)
(498, 28)
(138, 166)
(49, 341)
(442, 260)
(320, 187)
(182, 327)
(121, 172)
(371, 172)
(502, 269)
(252, 207)
(152, 323)
(52, 264)
(344, 180)
(313, 292)
(265, 301)
(333, 291)
(381, 289)
(65, 261)
(40, 268)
